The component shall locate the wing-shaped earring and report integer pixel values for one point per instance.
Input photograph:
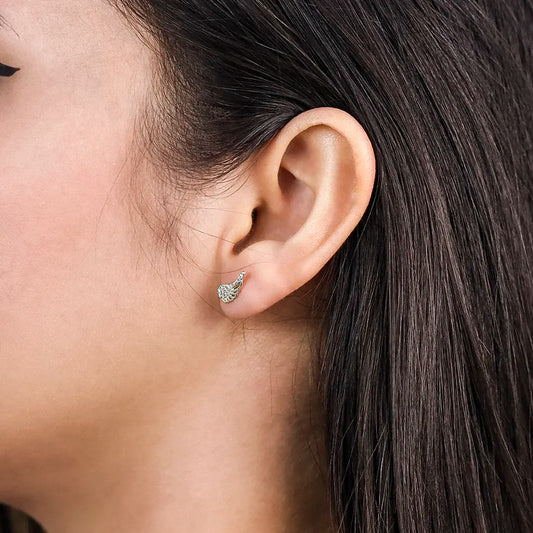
(227, 292)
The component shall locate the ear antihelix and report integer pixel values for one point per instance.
(227, 292)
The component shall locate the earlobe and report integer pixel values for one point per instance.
(309, 188)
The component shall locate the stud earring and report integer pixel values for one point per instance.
(227, 292)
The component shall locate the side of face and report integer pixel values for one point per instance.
(82, 308)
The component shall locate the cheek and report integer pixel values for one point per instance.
(63, 195)
(67, 121)
(68, 288)
(50, 207)
(61, 249)
(65, 241)
(54, 179)
(79, 305)
(47, 220)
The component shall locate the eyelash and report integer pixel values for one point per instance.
(6, 70)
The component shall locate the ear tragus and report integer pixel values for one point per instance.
(245, 241)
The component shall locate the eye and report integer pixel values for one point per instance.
(6, 70)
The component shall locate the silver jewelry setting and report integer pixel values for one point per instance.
(227, 292)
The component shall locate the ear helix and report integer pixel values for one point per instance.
(227, 292)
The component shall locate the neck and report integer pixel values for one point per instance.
(236, 452)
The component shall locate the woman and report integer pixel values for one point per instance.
(266, 266)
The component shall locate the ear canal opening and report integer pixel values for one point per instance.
(244, 241)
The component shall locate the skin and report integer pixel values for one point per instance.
(132, 399)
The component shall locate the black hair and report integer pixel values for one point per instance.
(426, 354)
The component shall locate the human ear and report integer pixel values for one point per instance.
(305, 193)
